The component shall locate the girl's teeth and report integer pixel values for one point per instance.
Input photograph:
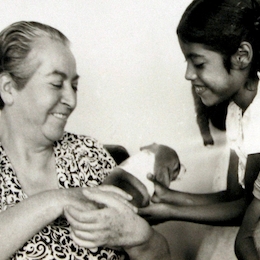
(199, 90)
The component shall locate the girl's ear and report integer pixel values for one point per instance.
(243, 57)
(7, 88)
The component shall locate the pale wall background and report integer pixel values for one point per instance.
(132, 89)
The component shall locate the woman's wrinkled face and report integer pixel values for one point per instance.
(49, 96)
(206, 71)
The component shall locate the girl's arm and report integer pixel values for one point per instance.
(225, 213)
(244, 245)
(222, 208)
(179, 198)
(234, 190)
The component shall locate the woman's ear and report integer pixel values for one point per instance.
(7, 88)
(243, 57)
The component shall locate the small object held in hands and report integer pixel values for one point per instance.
(131, 175)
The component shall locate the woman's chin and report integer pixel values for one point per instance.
(54, 136)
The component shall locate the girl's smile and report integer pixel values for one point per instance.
(199, 89)
(208, 75)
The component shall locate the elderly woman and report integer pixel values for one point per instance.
(47, 176)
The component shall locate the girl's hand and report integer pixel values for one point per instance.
(116, 224)
(157, 213)
(160, 190)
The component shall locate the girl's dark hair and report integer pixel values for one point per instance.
(16, 41)
(221, 25)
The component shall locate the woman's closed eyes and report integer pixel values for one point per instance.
(74, 86)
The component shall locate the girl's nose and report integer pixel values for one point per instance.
(69, 96)
(190, 72)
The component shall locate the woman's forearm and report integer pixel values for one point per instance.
(155, 248)
(20, 222)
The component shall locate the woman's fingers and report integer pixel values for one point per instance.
(94, 228)
(116, 190)
(115, 224)
(73, 214)
(85, 239)
(83, 243)
(108, 199)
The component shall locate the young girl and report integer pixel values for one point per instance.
(220, 40)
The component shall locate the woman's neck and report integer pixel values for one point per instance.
(17, 142)
(34, 163)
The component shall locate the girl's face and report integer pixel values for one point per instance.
(49, 96)
(206, 71)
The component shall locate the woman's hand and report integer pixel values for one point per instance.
(115, 224)
(117, 193)
(77, 198)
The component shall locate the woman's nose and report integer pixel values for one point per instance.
(190, 72)
(69, 96)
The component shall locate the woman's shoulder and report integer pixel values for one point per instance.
(75, 144)
(86, 151)
(77, 140)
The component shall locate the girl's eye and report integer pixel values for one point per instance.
(199, 65)
(75, 87)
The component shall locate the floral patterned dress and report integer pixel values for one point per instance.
(80, 161)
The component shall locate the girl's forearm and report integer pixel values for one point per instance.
(191, 199)
(226, 213)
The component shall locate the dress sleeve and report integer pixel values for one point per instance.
(82, 161)
(99, 159)
(107, 161)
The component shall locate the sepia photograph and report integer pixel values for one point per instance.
(128, 129)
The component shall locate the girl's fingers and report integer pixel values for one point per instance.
(151, 177)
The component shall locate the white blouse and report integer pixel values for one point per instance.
(243, 132)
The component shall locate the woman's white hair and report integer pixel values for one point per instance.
(16, 41)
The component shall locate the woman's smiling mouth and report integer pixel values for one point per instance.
(60, 115)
